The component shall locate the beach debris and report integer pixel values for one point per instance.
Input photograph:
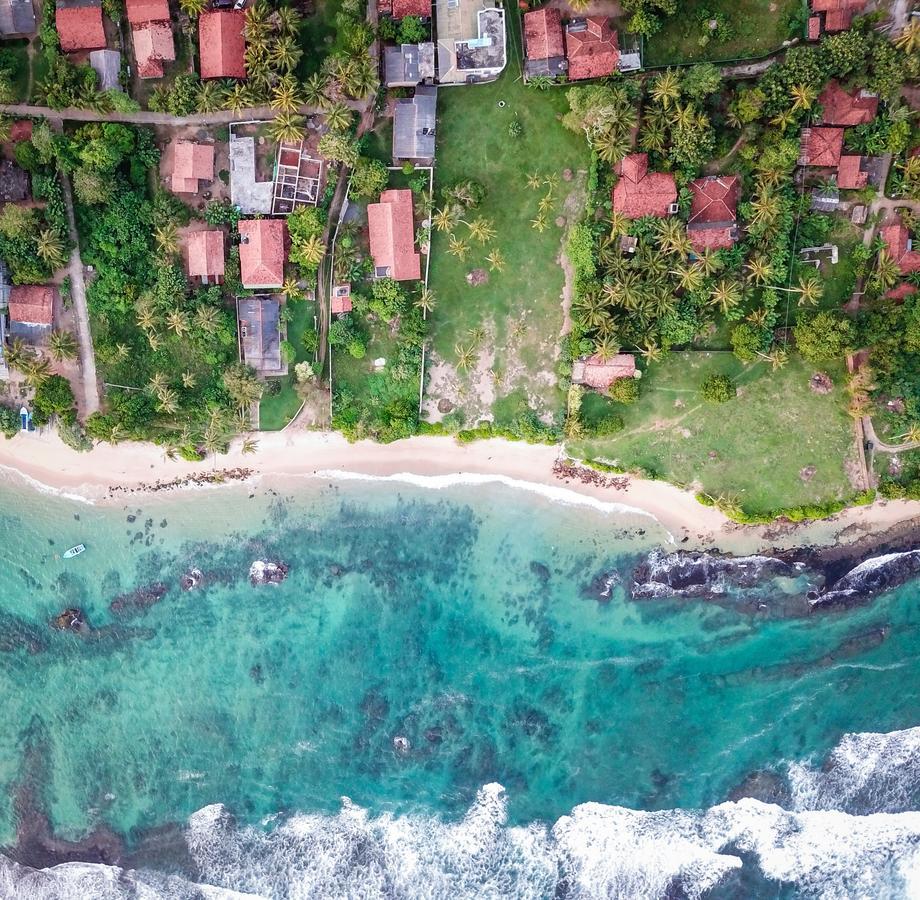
(565, 470)
(140, 599)
(264, 571)
(402, 744)
(71, 619)
(191, 579)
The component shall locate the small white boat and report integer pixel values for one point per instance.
(74, 551)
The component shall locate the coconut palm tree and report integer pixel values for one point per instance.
(177, 321)
(146, 319)
(50, 247)
(650, 352)
(538, 224)
(810, 291)
(237, 98)
(766, 209)
(285, 96)
(312, 250)
(672, 237)
(62, 345)
(288, 20)
(286, 53)
(193, 8)
(803, 96)
(338, 117)
(534, 180)
(17, 354)
(690, 278)
(760, 269)
(546, 203)
(166, 239)
(445, 219)
(291, 289)
(783, 119)
(665, 89)
(242, 385)
(611, 145)
(425, 301)
(287, 128)
(909, 38)
(36, 370)
(210, 97)
(887, 271)
(481, 229)
(477, 335)
(314, 91)
(466, 357)
(496, 261)
(726, 295)
(606, 348)
(207, 319)
(250, 445)
(158, 383)
(709, 262)
(911, 436)
(457, 247)
(188, 380)
(653, 138)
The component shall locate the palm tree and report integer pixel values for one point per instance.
(287, 128)
(534, 180)
(457, 247)
(188, 380)
(477, 335)
(766, 209)
(250, 445)
(466, 357)
(911, 436)
(285, 96)
(665, 89)
(168, 401)
(207, 319)
(158, 383)
(146, 319)
(803, 96)
(481, 229)
(312, 250)
(445, 219)
(546, 203)
(291, 289)
(36, 370)
(760, 269)
(909, 39)
(810, 291)
(314, 91)
(606, 348)
(538, 224)
(166, 239)
(210, 97)
(338, 117)
(242, 385)
(887, 270)
(690, 278)
(50, 248)
(496, 261)
(653, 138)
(288, 20)
(425, 301)
(237, 98)
(611, 145)
(783, 119)
(672, 237)
(17, 353)
(726, 295)
(286, 53)
(193, 8)
(651, 352)
(709, 262)
(62, 345)
(177, 321)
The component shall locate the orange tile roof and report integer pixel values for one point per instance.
(814, 28)
(32, 304)
(821, 147)
(402, 8)
(141, 11)
(639, 192)
(847, 107)
(392, 235)
(897, 241)
(192, 162)
(80, 27)
(341, 299)
(543, 33)
(206, 254)
(837, 5)
(850, 176)
(592, 53)
(153, 44)
(221, 44)
(262, 252)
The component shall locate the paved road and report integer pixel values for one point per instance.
(222, 117)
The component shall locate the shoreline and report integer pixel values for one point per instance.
(110, 474)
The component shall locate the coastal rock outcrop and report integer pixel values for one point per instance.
(191, 579)
(140, 599)
(264, 571)
(870, 577)
(71, 619)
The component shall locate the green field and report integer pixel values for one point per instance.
(753, 447)
(519, 308)
(755, 28)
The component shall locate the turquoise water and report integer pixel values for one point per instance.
(455, 619)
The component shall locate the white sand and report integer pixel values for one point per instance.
(431, 461)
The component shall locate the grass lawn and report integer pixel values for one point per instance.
(840, 279)
(754, 447)
(757, 28)
(319, 37)
(520, 308)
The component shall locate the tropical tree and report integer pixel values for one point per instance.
(286, 53)
(291, 289)
(534, 180)
(887, 270)
(242, 385)
(445, 219)
(466, 357)
(285, 96)
(188, 380)
(193, 8)
(726, 295)
(287, 128)
(665, 89)
(538, 224)
(496, 261)
(314, 91)
(457, 247)
(338, 117)
(803, 96)
(481, 229)
(62, 345)
(207, 319)
(210, 97)
(310, 251)
(760, 269)
(909, 38)
(425, 301)
(288, 20)
(51, 248)
(166, 239)
(17, 353)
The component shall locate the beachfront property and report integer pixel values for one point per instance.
(79, 25)
(472, 41)
(414, 120)
(391, 224)
(262, 253)
(17, 18)
(598, 373)
(30, 308)
(206, 261)
(221, 44)
(260, 334)
(407, 65)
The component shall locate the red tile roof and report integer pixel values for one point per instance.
(845, 107)
(261, 253)
(192, 162)
(221, 44)
(901, 292)
(153, 44)
(599, 374)
(714, 212)
(80, 27)
(838, 20)
(592, 52)
(141, 11)
(403, 8)
(392, 236)
(899, 245)
(836, 5)
(32, 304)
(814, 28)
(21, 130)
(341, 299)
(821, 147)
(206, 254)
(543, 33)
(639, 192)
(849, 175)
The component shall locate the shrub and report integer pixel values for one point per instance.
(624, 390)
(53, 397)
(717, 389)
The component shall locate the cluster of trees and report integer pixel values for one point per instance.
(306, 227)
(409, 30)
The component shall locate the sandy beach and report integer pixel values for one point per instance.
(108, 473)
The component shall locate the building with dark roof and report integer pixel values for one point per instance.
(407, 65)
(17, 17)
(544, 44)
(107, 65)
(639, 192)
(713, 223)
(414, 120)
(259, 322)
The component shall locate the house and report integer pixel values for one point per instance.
(399, 9)
(847, 108)
(414, 125)
(591, 48)
(341, 299)
(392, 236)
(713, 223)
(222, 47)
(14, 182)
(192, 163)
(107, 65)
(821, 147)
(31, 311)
(639, 192)
(900, 247)
(206, 256)
(259, 322)
(262, 253)
(17, 17)
(79, 25)
(142, 11)
(837, 14)
(408, 64)
(851, 176)
(598, 373)
(544, 44)
(471, 41)
(153, 45)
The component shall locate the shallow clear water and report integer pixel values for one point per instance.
(456, 619)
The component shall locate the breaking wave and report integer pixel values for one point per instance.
(850, 833)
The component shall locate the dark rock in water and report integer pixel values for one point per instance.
(140, 599)
(768, 787)
(336, 571)
(601, 586)
(71, 619)
(191, 579)
(255, 673)
(873, 576)
(540, 570)
(267, 572)
(434, 735)
(697, 574)
(132, 519)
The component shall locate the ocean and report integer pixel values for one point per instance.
(452, 694)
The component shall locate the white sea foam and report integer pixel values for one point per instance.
(597, 851)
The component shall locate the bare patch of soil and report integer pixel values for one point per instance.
(477, 277)
(821, 383)
(807, 473)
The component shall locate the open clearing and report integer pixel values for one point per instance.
(756, 447)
